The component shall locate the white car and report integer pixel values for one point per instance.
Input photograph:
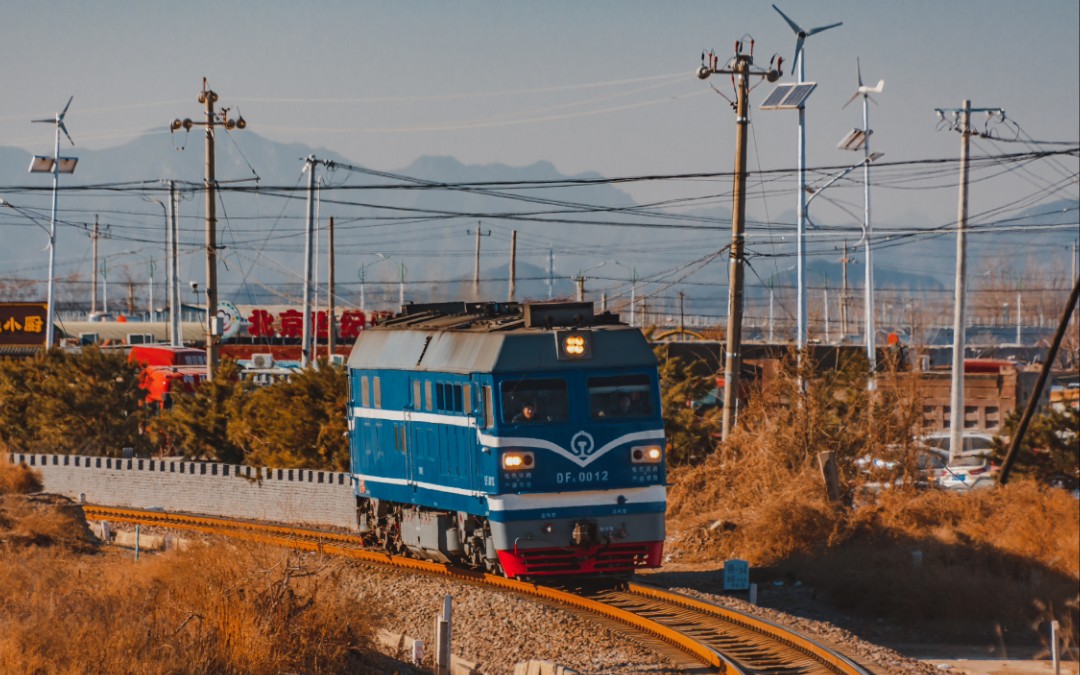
(969, 471)
(974, 442)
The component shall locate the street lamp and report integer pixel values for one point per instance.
(55, 165)
(105, 277)
(870, 158)
(361, 273)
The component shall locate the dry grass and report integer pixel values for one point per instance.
(17, 478)
(221, 609)
(1007, 556)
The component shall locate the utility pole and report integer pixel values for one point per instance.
(476, 268)
(956, 398)
(175, 338)
(741, 70)
(580, 279)
(213, 333)
(93, 285)
(308, 338)
(551, 272)
(513, 266)
(331, 320)
(844, 260)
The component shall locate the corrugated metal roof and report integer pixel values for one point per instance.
(471, 351)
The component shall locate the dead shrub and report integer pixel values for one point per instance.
(17, 478)
(43, 520)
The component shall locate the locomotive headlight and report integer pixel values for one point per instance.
(517, 460)
(646, 454)
(573, 345)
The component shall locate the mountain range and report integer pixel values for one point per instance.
(418, 224)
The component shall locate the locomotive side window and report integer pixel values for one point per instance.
(466, 397)
(378, 391)
(527, 401)
(620, 396)
(365, 393)
(440, 396)
(416, 395)
(427, 395)
(488, 404)
(455, 394)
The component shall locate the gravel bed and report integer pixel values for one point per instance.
(498, 629)
(802, 612)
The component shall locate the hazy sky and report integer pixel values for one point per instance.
(600, 86)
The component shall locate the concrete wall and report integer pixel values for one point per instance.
(280, 495)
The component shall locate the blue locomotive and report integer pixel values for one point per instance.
(521, 439)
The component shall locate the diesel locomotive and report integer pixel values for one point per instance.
(525, 440)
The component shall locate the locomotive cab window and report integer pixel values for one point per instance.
(529, 401)
(620, 396)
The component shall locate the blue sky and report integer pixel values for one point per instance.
(590, 86)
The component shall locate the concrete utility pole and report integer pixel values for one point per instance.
(476, 268)
(213, 332)
(742, 70)
(307, 347)
(962, 123)
(93, 285)
(844, 260)
(175, 336)
(513, 266)
(331, 323)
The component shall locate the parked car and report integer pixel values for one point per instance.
(880, 473)
(969, 471)
(974, 442)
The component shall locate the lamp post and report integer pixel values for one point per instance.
(870, 158)
(55, 165)
(361, 272)
(51, 232)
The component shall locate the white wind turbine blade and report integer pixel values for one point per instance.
(64, 111)
(821, 29)
(794, 26)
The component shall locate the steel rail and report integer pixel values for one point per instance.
(833, 661)
(352, 546)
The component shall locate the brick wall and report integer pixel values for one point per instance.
(297, 496)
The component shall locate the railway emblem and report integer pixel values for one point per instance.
(582, 444)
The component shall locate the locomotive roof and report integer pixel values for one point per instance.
(485, 337)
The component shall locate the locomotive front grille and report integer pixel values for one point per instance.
(608, 558)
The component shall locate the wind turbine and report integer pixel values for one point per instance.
(54, 165)
(853, 141)
(800, 63)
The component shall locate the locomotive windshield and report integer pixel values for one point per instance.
(525, 401)
(620, 396)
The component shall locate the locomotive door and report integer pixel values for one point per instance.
(412, 433)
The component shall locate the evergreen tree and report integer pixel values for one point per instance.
(300, 422)
(691, 432)
(1051, 446)
(86, 402)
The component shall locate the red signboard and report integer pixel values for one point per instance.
(22, 324)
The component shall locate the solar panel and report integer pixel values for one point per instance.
(776, 96)
(789, 96)
(798, 95)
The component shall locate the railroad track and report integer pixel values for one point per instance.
(699, 636)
